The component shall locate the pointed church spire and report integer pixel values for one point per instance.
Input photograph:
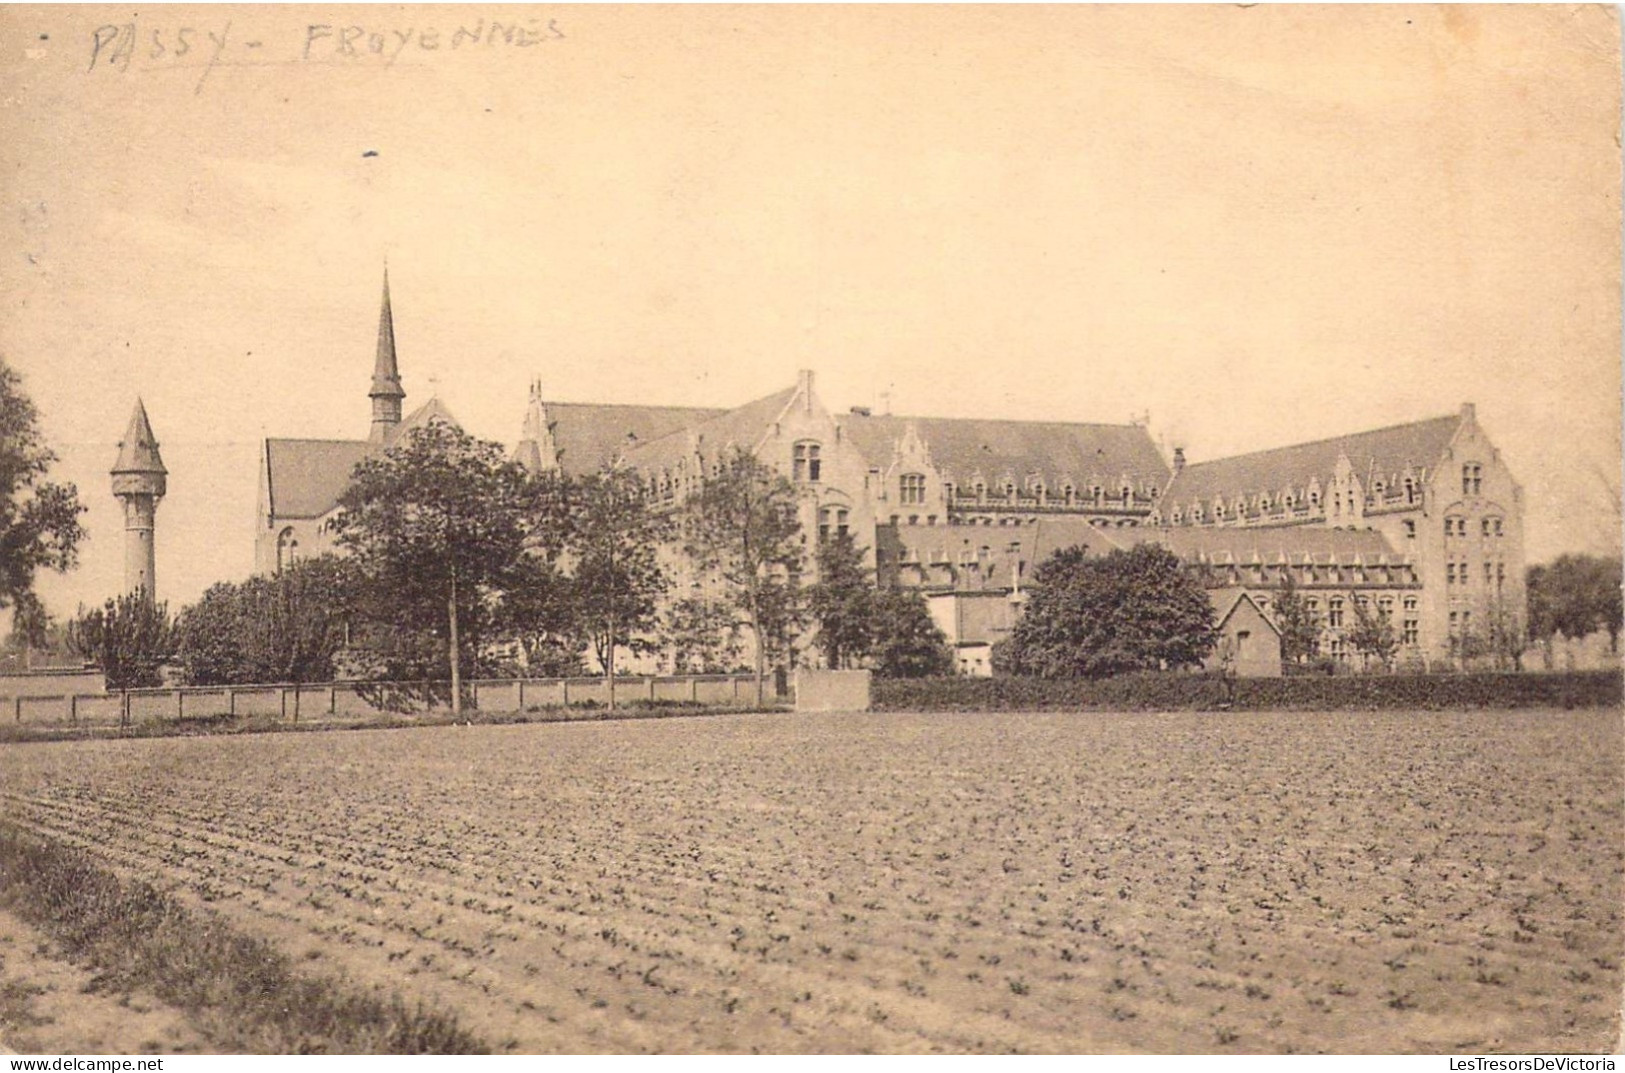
(386, 393)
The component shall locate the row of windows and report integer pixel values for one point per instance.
(1456, 526)
(1459, 573)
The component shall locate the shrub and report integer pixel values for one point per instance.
(1158, 691)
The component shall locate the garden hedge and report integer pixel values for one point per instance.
(1176, 692)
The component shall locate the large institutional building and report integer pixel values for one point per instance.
(1421, 521)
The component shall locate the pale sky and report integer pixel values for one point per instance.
(1258, 225)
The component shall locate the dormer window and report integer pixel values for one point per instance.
(1179, 516)
(1128, 494)
(806, 464)
(980, 487)
(1009, 488)
(1099, 495)
(948, 491)
(1410, 490)
(1068, 493)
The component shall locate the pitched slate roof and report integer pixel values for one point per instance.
(741, 427)
(962, 448)
(304, 478)
(1383, 452)
(591, 435)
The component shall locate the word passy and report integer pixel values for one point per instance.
(118, 46)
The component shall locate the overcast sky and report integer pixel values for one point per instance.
(1257, 225)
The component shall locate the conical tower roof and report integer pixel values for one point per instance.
(386, 376)
(138, 451)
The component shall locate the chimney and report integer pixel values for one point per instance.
(1179, 460)
(804, 385)
(1469, 413)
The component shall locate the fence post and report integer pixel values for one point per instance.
(73, 708)
(180, 705)
(18, 700)
(296, 702)
(124, 708)
(332, 700)
(521, 694)
(282, 700)
(649, 689)
(231, 702)
(694, 688)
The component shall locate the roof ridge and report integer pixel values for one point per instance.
(311, 439)
(691, 429)
(636, 406)
(997, 420)
(1324, 439)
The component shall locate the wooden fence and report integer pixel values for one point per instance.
(358, 700)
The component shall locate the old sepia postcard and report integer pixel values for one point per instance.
(810, 529)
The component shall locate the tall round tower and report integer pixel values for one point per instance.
(139, 480)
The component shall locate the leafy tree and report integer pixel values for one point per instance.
(1373, 634)
(129, 638)
(741, 529)
(612, 543)
(288, 627)
(1130, 610)
(1574, 596)
(907, 643)
(842, 603)
(1300, 633)
(537, 611)
(438, 526)
(39, 519)
(700, 636)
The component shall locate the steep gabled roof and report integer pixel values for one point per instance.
(1383, 452)
(305, 478)
(1057, 451)
(744, 427)
(590, 435)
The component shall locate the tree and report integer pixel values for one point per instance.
(700, 636)
(1574, 596)
(1130, 610)
(128, 638)
(1373, 634)
(612, 541)
(1300, 633)
(39, 519)
(741, 530)
(907, 643)
(842, 603)
(288, 627)
(438, 526)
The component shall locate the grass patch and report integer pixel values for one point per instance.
(239, 991)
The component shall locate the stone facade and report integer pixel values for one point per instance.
(1422, 521)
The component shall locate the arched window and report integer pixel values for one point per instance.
(806, 464)
(286, 548)
(911, 488)
(1410, 490)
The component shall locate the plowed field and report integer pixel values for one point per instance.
(1176, 882)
